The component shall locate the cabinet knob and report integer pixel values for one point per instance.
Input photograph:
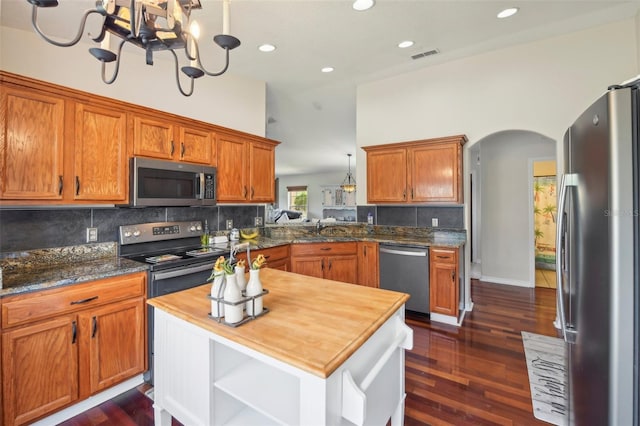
(404, 194)
(453, 276)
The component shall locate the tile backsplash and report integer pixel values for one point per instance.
(47, 228)
(451, 217)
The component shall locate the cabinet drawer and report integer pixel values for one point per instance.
(44, 304)
(274, 253)
(442, 255)
(320, 249)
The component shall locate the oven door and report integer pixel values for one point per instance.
(170, 281)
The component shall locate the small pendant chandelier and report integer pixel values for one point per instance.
(349, 183)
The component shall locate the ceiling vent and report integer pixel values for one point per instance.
(425, 54)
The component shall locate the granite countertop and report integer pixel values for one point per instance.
(35, 270)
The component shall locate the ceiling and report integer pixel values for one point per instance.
(313, 113)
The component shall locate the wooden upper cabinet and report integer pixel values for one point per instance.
(196, 146)
(387, 176)
(262, 172)
(246, 169)
(427, 171)
(169, 140)
(153, 138)
(100, 160)
(31, 144)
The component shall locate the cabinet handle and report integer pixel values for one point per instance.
(182, 150)
(325, 248)
(94, 327)
(453, 276)
(412, 193)
(81, 301)
(74, 332)
(322, 264)
(77, 185)
(329, 265)
(365, 250)
(267, 257)
(60, 185)
(252, 192)
(442, 257)
(404, 194)
(173, 148)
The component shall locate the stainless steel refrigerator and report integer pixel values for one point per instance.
(597, 259)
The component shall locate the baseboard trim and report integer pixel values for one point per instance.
(507, 281)
(90, 402)
(445, 319)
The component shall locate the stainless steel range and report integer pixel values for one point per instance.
(175, 257)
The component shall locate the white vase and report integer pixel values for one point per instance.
(217, 291)
(232, 294)
(240, 278)
(254, 288)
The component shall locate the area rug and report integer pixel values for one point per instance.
(546, 357)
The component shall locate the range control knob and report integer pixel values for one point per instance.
(199, 227)
(192, 228)
(136, 233)
(127, 234)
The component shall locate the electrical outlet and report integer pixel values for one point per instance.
(258, 221)
(92, 235)
(229, 223)
(434, 221)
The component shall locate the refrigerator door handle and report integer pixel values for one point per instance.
(566, 181)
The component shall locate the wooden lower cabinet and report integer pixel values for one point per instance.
(368, 264)
(50, 362)
(332, 261)
(277, 257)
(443, 281)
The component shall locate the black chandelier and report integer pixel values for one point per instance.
(153, 25)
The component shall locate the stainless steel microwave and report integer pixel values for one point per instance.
(170, 183)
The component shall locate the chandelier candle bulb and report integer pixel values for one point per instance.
(106, 41)
(225, 17)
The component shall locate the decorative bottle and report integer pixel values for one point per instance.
(254, 288)
(217, 291)
(232, 294)
(240, 278)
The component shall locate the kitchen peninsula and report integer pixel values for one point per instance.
(326, 353)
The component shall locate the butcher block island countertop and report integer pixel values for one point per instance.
(326, 353)
(312, 323)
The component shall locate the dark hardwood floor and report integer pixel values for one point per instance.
(472, 375)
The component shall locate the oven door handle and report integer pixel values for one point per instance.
(181, 272)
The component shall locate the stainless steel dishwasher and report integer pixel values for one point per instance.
(406, 269)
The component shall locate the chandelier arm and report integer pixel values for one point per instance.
(34, 24)
(117, 66)
(175, 57)
(215, 74)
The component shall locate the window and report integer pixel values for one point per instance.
(297, 196)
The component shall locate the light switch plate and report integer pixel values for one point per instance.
(229, 223)
(434, 221)
(258, 221)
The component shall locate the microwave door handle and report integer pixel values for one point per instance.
(202, 180)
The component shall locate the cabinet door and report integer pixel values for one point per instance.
(341, 268)
(434, 173)
(31, 145)
(368, 264)
(262, 174)
(153, 138)
(196, 146)
(113, 344)
(387, 176)
(312, 266)
(39, 369)
(233, 164)
(443, 285)
(100, 162)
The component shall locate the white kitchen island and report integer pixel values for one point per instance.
(326, 353)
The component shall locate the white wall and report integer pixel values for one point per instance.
(229, 101)
(505, 248)
(314, 190)
(540, 86)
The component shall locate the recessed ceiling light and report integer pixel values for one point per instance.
(361, 5)
(508, 12)
(266, 48)
(327, 69)
(405, 44)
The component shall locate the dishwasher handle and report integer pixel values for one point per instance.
(422, 253)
